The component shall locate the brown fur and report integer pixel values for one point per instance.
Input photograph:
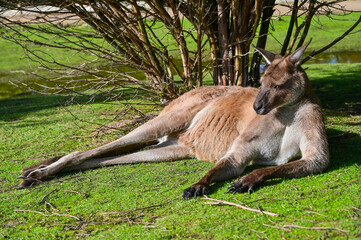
(212, 135)
(231, 126)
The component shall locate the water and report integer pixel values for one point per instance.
(337, 57)
(8, 90)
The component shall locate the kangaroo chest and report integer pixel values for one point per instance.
(234, 126)
(279, 148)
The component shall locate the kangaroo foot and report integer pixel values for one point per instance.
(29, 182)
(29, 172)
(26, 171)
(32, 177)
(247, 183)
(198, 189)
(34, 174)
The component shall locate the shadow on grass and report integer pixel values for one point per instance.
(345, 149)
(339, 91)
(17, 108)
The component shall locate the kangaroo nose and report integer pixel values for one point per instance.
(257, 107)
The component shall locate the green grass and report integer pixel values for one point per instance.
(37, 127)
(70, 206)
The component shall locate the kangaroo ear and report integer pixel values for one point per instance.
(267, 55)
(296, 56)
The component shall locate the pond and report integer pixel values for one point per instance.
(337, 57)
(9, 90)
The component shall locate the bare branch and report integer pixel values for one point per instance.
(216, 202)
(333, 42)
(48, 215)
(159, 47)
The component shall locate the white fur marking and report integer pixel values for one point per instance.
(199, 115)
(162, 139)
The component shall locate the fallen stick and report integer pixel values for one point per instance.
(47, 215)
(314, 228)
(216, 202)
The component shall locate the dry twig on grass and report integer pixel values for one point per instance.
(47, 195)
(271, 226)
(314, 228)
(287, 227)
(218, 202)
(48, 215)
(106, 128)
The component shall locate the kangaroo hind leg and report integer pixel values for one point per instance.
(146, 134)
(118, 151)
(159, 154)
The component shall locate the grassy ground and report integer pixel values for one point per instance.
(142, 201)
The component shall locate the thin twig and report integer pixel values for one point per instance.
(43, 199)
(51, 206)
(282, 228)
(314, 228)
(216, 201)
(358, 209)
(65, 215)
(292, 187)
(31, 211)
(339, 135)
(47, 215)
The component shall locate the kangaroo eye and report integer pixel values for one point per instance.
(278, 87)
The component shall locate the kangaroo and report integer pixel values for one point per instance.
(280, 124)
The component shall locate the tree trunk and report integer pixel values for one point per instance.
(261, 42)
(223, 53)
(290, 27)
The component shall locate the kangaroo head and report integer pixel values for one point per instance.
(282, 83)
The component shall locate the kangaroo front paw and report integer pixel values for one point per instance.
(240, 187)
(246, 184)
(198, 189)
